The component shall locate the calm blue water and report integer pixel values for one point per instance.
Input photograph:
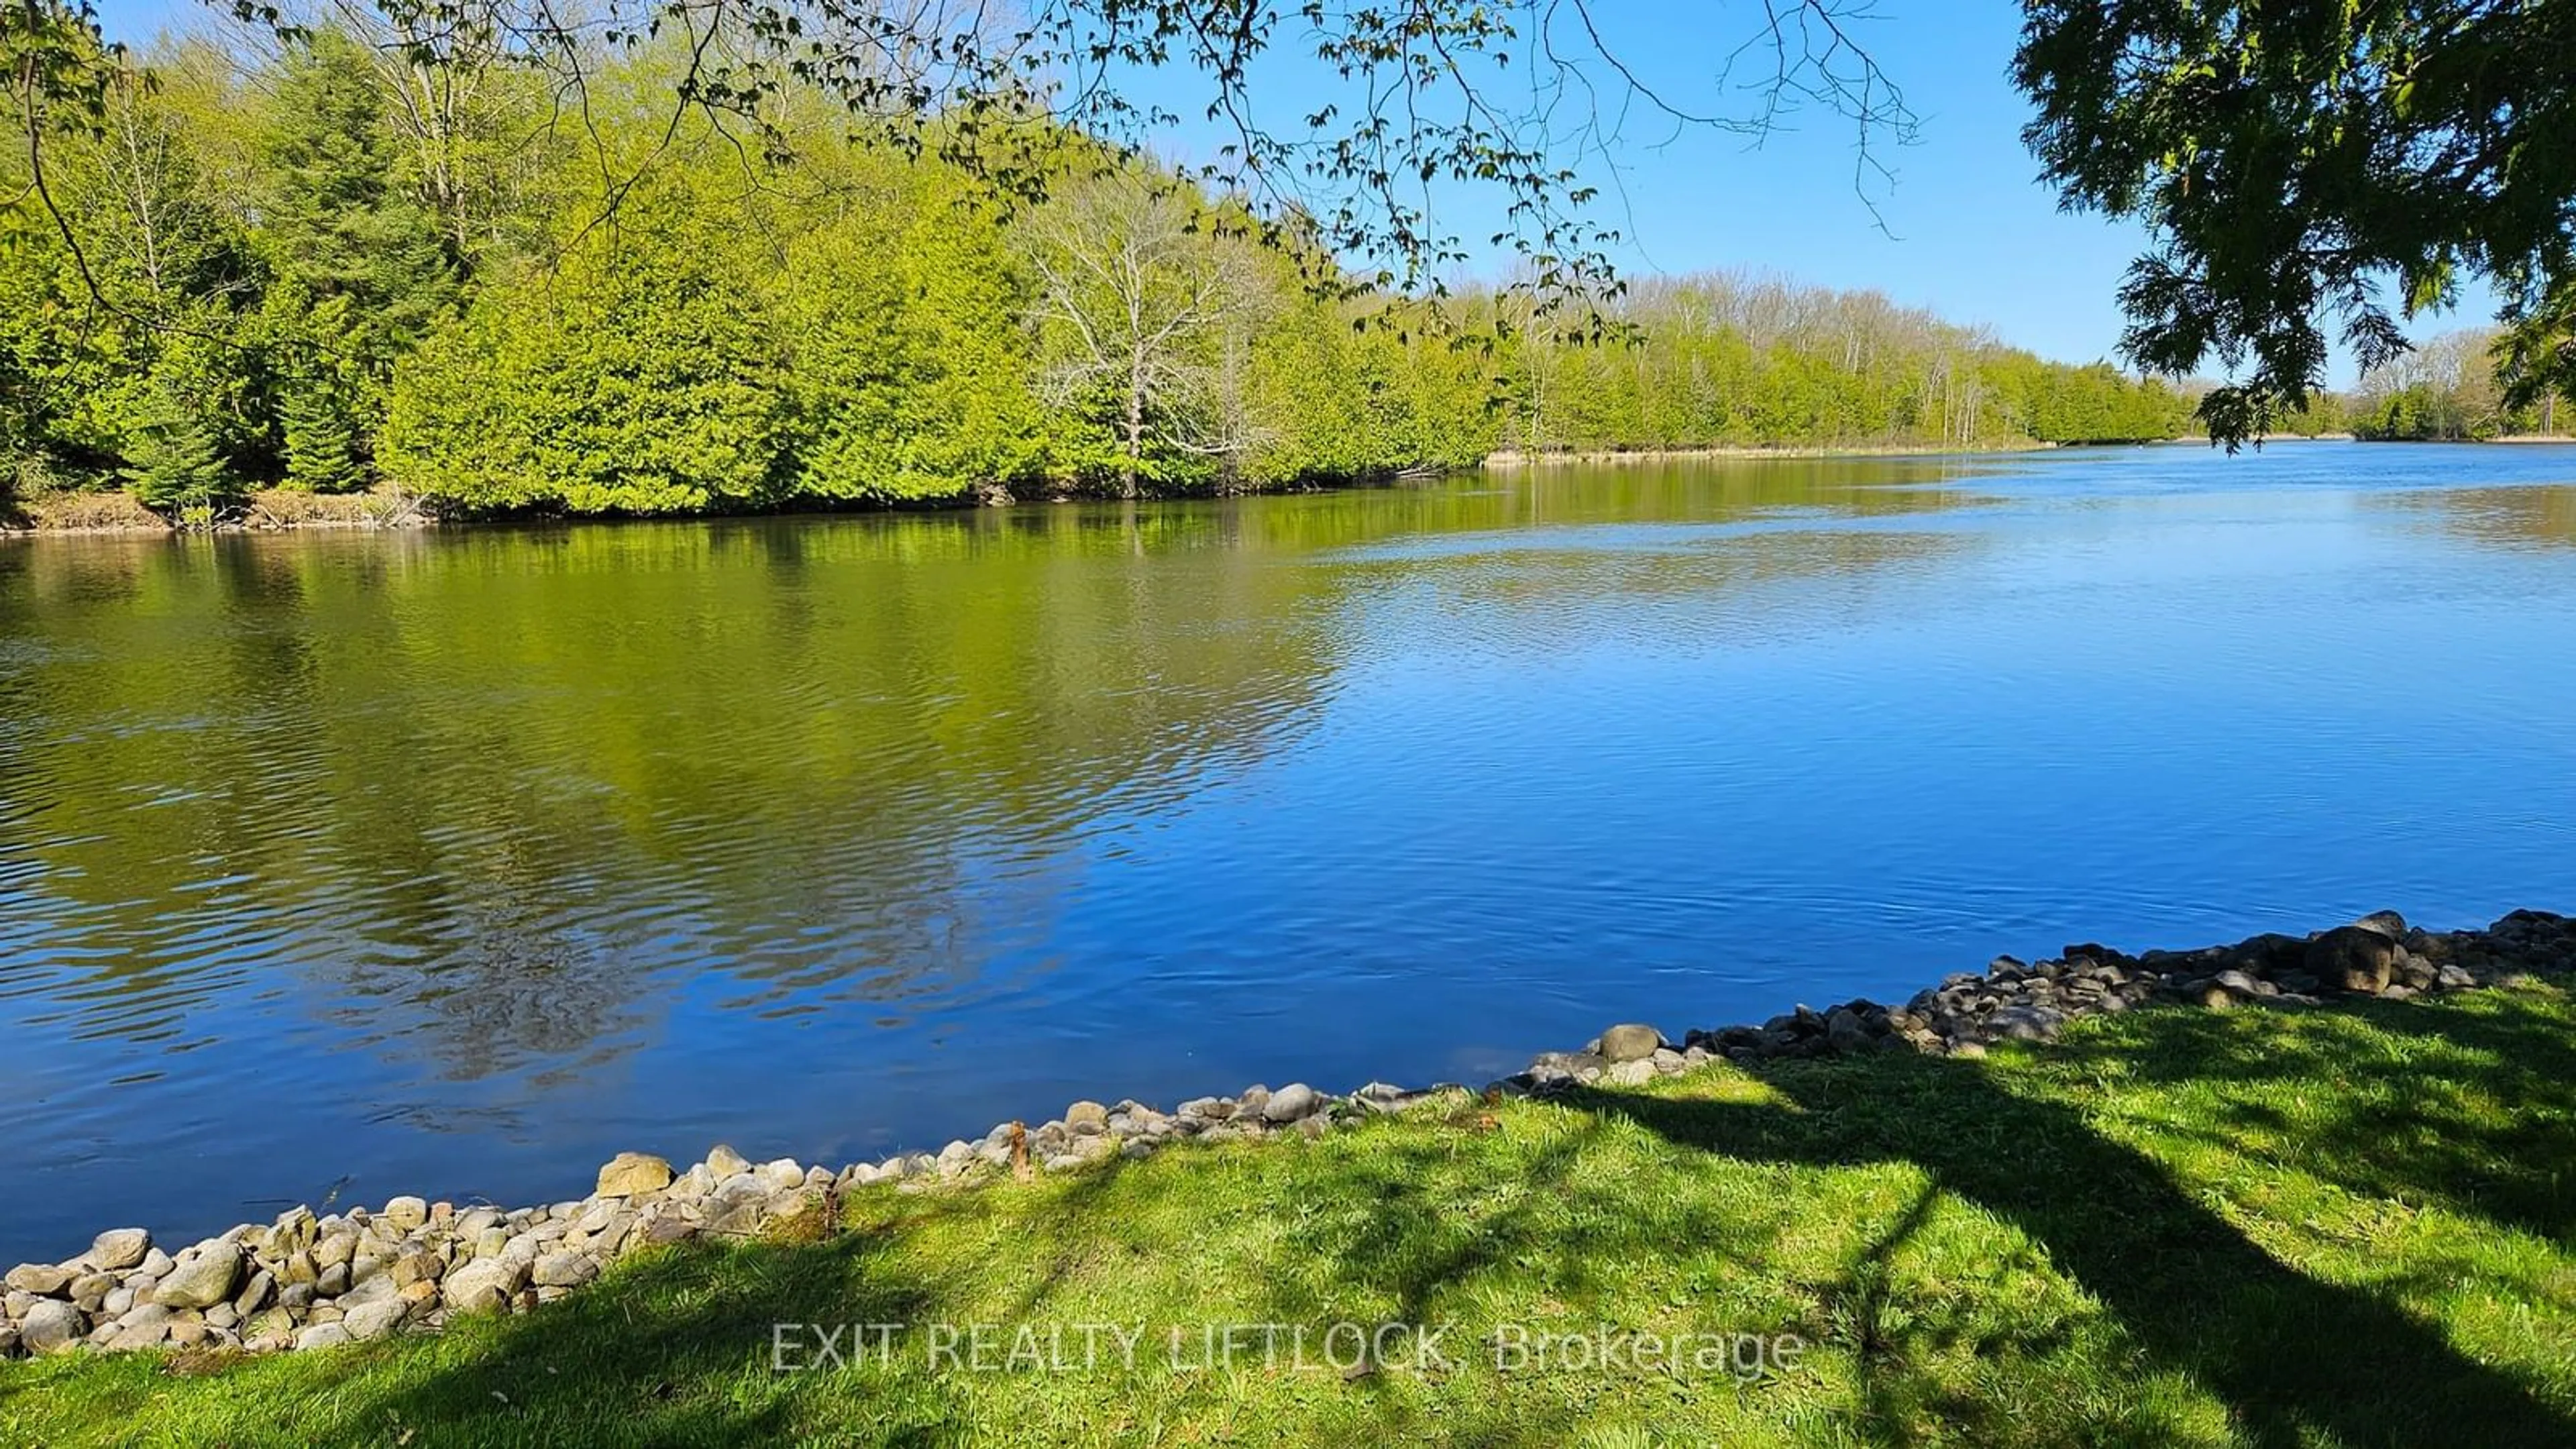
(455, 863)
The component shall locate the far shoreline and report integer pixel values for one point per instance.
(114, 513)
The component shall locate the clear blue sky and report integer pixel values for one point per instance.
(1969, 231)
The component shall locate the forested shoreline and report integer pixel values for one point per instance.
(347, 264)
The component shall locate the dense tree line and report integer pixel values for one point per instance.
(2447, 390)
(1725, 360)
(357, 257)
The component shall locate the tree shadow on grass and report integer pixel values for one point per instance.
(2468, 1103)
(2296, 1360)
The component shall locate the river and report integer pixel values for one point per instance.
(455, 861)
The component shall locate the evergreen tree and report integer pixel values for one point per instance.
(176, 458)
(340, 219)
(321, 439)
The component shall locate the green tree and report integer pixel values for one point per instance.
(175, 456)
(2291, 157)
(339, 219)
(642, 377)
(321, 391)
(365, 266)
(321, 444)
(911, 371)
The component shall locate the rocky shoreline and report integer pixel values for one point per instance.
(308, 1281)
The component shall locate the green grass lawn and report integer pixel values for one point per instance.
(2174, 1227)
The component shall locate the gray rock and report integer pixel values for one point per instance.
(256, 1293)
(633, 1174)
(336, 1245)
(45, 1280)
(1844, 1031)
(2386, 923)
(1086, 1117)
(129, 1337)
(564, 1270)
(613, 1239)
(119, 1248)
(51, 1326)
(739, 1188)
(782, 1174)
(1291, 1102)
(374, 1289)
(375, 1320)
(1630, 1042)
(293, 1229)
(402, 1214)
(670, 1230)
(724, 1162)
(1207, 1109)
(2353, 958)
(333, 1282)
(1635, 1072)
(483, 1286)
(795, 1208)
(117, 1303)
(1555, 1067)
(2027, 1023)
(89, 1290)
(323, 1335)
(205, 1277)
